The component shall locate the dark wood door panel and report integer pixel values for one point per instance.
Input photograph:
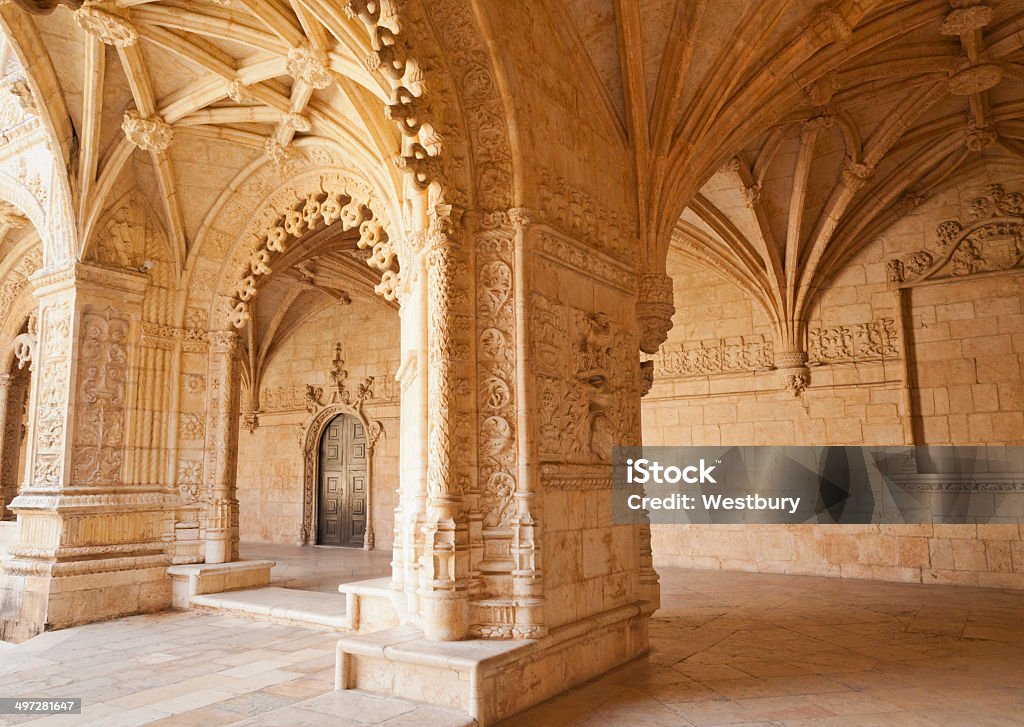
(343, 484)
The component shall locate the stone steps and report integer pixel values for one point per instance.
(311, 609)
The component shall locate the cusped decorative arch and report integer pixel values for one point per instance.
(323, 407)
(335, 198)
(257, 218)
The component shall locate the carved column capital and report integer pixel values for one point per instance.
(223, 341)
(654, 310)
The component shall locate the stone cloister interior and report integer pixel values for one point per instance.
(309, 296)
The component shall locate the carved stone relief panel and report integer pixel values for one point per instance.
(586, 383)
(700, 358)
(987, 237)
(100, 398)
(496, 347)
(51, 403)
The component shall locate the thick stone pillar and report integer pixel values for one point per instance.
(82, 518)
(220, 466)
(534, 377)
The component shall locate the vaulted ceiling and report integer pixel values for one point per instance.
(773, 136)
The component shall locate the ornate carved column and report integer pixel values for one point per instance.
(6, 495)
(444, 579)
(82, 515)
(220, 465)
(654, 310)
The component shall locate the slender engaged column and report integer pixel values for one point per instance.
(222, 449)
(6, 495)
(444, 591)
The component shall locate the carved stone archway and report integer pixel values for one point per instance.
(339, 400)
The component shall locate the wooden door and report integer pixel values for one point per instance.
(341, 506)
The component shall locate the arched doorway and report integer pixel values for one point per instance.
(343, 483)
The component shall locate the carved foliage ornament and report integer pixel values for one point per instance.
(149, 134)
(724, 356)
(870, 341)
(309, 65)
(106, 22)
(496, 372)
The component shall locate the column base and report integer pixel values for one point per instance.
(34, 599)
(490, 680)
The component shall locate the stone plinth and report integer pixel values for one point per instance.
(373, 605)
(489, 679)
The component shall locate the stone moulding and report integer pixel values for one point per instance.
(575, 477)
(557, 248)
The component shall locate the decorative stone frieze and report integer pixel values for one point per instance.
(871, 341)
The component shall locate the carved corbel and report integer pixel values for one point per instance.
(250, 421)
(646, 377)
(794, 376)
(654, 310)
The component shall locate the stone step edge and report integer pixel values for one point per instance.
(276, 614)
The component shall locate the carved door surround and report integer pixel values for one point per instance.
(324, 408)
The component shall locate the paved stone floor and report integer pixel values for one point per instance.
(318, 568)
(728, 648)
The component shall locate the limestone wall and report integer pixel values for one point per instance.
(270, 461)
(966, 346)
